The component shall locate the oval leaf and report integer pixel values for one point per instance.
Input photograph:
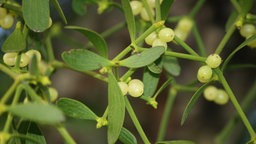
(144, 58)
(116, 109)
(176, 142)
(150, 81)
(126, 137)
(129, 17)
(16, 42)
(192, 102)
(38, 112)
(84, 60)
(76, 109)
(36, 14)
(95, 38)
(171, 65)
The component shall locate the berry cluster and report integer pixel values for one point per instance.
(10, 58)
(139, 9)
(160, 38)
(205, 73)
(134, 88)
(219, 96)
(246, 31)
(6, 19)
(183, 28)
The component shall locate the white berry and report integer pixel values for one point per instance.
(159, 42)
(136, 7)
(10, 58)
(166, 34)
(32, 52)
(213, 60)
(135, 88)
(247, 30)
(144, 15)
(221, 97)
(124, 87)
(210, 93)
(150, 38)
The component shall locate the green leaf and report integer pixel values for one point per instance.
(36, 14)
(38, 112)
(38, 138)
(171, 65)
(242, 45)
(129, 17)
(126, 137)
(192, 102)
(144, 58)
(79, 6)
(96, 39)
(16, 42)
(59, 10)
(33, 67)
(231, 20)
(165, 7)
(116, 109)
(246, 6)
(35, 133)
(176, 142)
(150, 81)
(84, 60)
(76, 109)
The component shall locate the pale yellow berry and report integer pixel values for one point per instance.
(221, 97)
(166, 34)
(150, 38)
(210, 93)
(136, 7)
(247, 30)
(7, 21)
(213, 60)
(159, 42)
(24, 60)
(185, 24)
(124, 87)
(135, 88)
(10, 58)
(204, 73)
(53, 94)
(144, 15)
(3, 12)
(32, 52)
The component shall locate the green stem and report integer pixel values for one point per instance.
(185, 56)
(196, 8)
(166, 114)
(158, 10)
(64, 133)
(249, 99)
(185, 46)
(7, 71)
(49, 48)
(236, 6)
(127, 74)
(235, 103)
(136, 121)
(199, 40)
(149, 11)
(225, 39)
(10, 91)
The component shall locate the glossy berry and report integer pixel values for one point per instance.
(166, 34)
(3, 12)
(136, 7)
(144, 15)
(53, 94)
(247, 30)
(135, 88)
(159, 42)
(7, 21)
(150, 38)
(10, 58)
(32, 52)
(204, 73)
(221, 97)
(213, 60)
(210, 93)
(124, 87)
(24, 60)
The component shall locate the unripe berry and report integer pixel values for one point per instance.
(136, 7)
(213, 60)
(53, 94)
(144, 15)
(3, 12)
(124, 87)
(159, 42)
(7, 21)
(10, 58)
(204, 73)
(32, 52)
(221, 97)
(135, 88)
(166, 34)
(210, 93)
(24, 60)
(247, 30)
(185, 24)
(150, 38)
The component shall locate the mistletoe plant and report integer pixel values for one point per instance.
(31, 101)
